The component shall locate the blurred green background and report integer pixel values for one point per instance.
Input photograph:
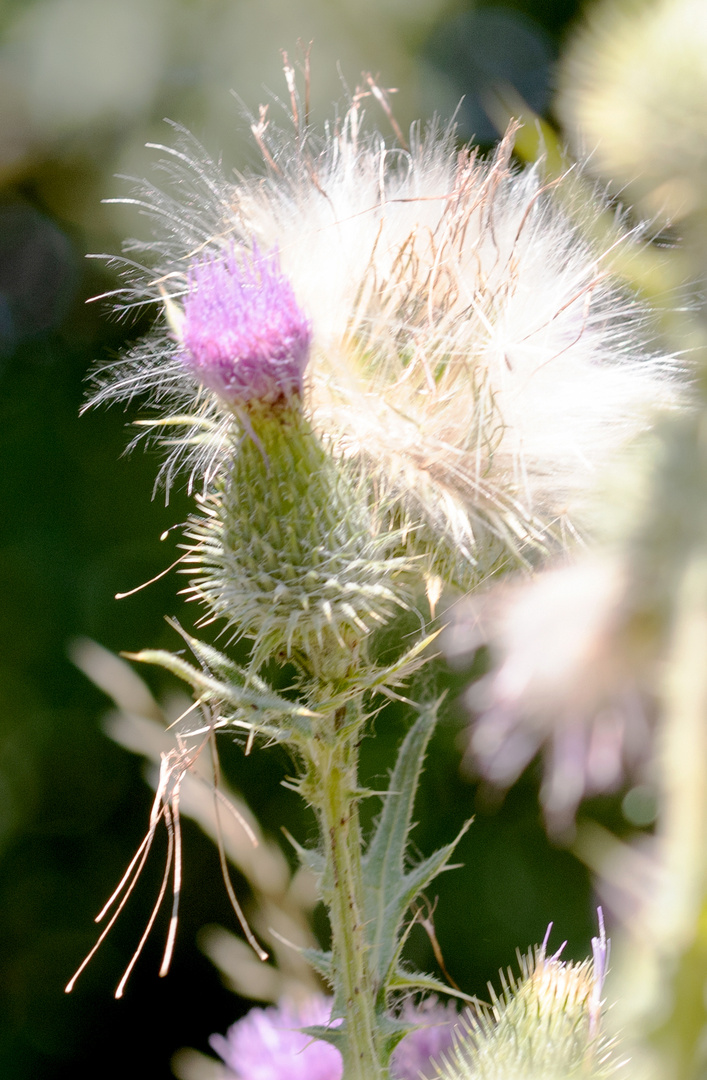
(83, 85)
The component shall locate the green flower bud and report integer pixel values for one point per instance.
(286, 552)
(544, 1026)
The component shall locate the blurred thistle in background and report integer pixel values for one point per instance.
(631, 96)
(626, 688)
(267, 1044)
(560, 682)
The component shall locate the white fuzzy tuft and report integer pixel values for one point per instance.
(470, 354)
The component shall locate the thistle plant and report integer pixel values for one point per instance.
(387, 372)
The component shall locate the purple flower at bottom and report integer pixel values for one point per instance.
(242, 332)
(266, 1045)
(412, 1056)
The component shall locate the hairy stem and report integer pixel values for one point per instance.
(334, 767)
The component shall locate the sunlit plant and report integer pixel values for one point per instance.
(387, 372)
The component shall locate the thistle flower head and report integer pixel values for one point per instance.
(544, 1026)
(268, 1044)
(433, 1036)
(242, 332)
(471, 360)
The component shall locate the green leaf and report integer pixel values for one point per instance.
(402, 668)
(334, 1035)
(389, 888)
(407, 981)
(392, 1029)
(243, 693)
(421, 875)
(411, 885)
(309, 857)
(384, 861)
(216, 661)
(380, 680)
(319, 960)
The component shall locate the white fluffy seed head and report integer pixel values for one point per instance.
(471, 358)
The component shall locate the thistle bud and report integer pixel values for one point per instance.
(544, 1026)
(286, 549)
(242, 332)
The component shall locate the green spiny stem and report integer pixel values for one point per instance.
(334, 768)
(291, 557)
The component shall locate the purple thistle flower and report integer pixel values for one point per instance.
(435, 1035)
(266, 1045)
(243, 334)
